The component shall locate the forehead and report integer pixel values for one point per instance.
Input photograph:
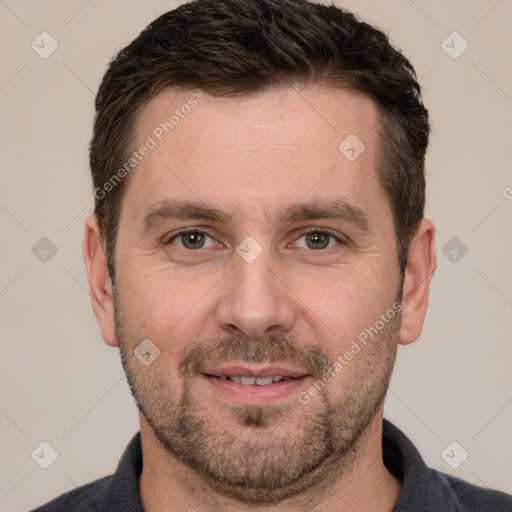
(277, 146)
(326, 117)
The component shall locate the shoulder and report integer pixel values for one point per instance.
(430, 490)
(87, 498)
(472, 498)
(116, 492)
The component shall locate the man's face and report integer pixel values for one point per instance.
(289, 256)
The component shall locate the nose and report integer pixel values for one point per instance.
(256, 300)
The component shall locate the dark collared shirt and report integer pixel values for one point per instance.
(423, 489)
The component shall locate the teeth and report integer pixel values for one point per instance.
(251, 381)
(263, 381)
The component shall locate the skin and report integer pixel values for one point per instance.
(253, 157)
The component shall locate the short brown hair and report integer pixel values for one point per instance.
(241, 47)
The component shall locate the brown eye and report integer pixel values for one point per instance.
(192, 240)
(318, 240)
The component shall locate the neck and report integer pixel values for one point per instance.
(167, 485)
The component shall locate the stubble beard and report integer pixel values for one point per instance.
(260, 457)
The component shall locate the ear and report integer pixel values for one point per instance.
(421, 264)
(100, 285)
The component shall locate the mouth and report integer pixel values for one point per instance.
(254, 381)
(255, 385)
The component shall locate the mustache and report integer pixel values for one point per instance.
(271, 349)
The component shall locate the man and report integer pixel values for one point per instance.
(258, 251)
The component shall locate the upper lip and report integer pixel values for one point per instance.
(246, 370)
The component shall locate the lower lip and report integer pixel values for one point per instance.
(256, 395)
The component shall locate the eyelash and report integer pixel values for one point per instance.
(341, 241)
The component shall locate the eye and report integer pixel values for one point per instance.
(317, 240)
(192, 240)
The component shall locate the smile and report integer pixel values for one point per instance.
(253, 381)
(255, 384)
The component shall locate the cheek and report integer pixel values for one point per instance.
(342, 305)
(163, 305)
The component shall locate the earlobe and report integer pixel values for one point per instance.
(100, 285)
(421, 264)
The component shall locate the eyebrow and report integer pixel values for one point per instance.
(181, 210)
(336, 210)
(187, 210)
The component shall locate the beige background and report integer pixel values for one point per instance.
(62, 385)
